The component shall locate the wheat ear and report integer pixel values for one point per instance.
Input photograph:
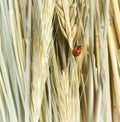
(67, 13)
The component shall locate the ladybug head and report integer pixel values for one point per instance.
(79, 47)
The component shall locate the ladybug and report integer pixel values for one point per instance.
(76, 50)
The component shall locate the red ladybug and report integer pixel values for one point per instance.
(77, 50)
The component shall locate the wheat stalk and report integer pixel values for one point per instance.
(40, 79)
(113, 54)
(40, 67)
(67, 13)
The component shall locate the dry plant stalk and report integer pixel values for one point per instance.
(116, 77)
(40, 67)
(33, 86)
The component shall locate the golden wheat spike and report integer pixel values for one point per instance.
(67, 15)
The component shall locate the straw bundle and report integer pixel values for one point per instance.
(40, 79)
